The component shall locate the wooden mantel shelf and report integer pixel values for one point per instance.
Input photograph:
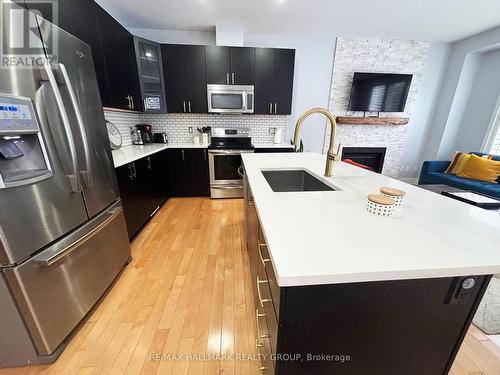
(353, 120)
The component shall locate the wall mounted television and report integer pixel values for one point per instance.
(379, 92)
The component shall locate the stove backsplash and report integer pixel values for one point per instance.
(177, 125)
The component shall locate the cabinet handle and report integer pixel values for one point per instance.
(132, 100)
(232, 77)
(227, 78)
(263, 368)
(131, 172)
(261, 300)
(149, 164)
(145, 106)
(129, 105)
(262, 259)
(275, 107)
(189, 106)
(205, 154)
(271, 108)
(259, 336)
(184, 105)
(182, 152)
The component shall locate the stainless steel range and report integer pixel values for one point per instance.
(226, 170)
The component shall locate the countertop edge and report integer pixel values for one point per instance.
(139, 152)
(291, 281)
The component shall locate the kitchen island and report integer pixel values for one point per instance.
(396, 295)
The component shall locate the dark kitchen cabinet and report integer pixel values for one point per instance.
(242, 65)
(150, 69)
(142, 189)
(218, 65)
(58, 12)
(175, 82)
(188, 172)
(121, 66)
(274, 69)
(130, 197)
(264, 80)
(283, 81)
(185, 79)
(230, 65)
(84, 26)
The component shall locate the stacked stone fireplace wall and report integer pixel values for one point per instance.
(375, 56)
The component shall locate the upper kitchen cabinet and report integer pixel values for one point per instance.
(264, 80)
(274, 70)
(242, 65)
(121, 65)
(58, 12)
(84, 26)
(218, 65)
(149, 66)
(185, 79)
(230, 65)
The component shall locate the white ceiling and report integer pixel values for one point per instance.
(431, 20)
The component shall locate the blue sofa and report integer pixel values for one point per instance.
(433, 173)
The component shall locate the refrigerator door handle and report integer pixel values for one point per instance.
(50, 259)
(73, 178)
(87, 173)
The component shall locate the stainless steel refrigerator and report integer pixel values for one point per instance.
(63, 238)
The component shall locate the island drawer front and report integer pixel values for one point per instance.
(265, 260)
(266, 363)
(273, 284)
(272, 327)
(268, 307)
(262, 332)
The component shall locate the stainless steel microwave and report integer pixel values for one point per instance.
(230, 98)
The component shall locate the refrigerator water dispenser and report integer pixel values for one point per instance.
(23, 157)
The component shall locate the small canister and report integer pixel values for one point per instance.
(396, 194)
(380, 205)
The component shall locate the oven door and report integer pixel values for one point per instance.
(226, 176)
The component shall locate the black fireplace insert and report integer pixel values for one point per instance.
(370, 156)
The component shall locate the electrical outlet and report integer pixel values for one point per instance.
(190, 130)
(272, 130)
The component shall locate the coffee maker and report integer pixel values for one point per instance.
(146, 132)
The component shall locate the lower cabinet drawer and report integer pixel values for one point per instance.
(271, 277)
(272, 327)
(266, 363)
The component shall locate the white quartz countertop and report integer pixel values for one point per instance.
(329, 237)
(128, 154)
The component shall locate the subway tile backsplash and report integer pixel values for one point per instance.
(177, 125)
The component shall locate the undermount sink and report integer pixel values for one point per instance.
(290, 180)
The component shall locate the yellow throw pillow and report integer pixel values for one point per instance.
(479, 168)
(458, 162)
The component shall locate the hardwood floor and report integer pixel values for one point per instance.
(187, 290)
